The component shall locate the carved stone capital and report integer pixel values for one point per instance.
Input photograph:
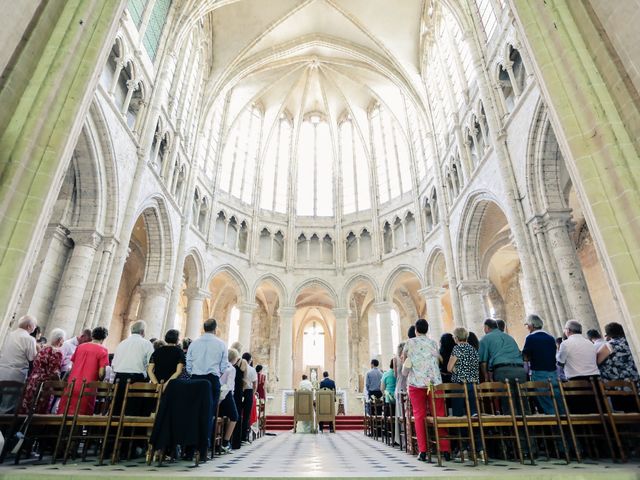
(432, 292)
(86, 238)
(154, 290)
(195, 293)
(474, 287)
(382, 307)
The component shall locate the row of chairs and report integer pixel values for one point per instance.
(65, 432)
(587, 414)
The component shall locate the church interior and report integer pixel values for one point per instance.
(316, 175)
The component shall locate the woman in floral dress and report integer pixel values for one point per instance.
(46, 366)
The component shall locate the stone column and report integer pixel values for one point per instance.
(245, 322)
(386, 340)
(342, 347)
(580, 307)
(195, 301)
(474, 305)
(285, 362)
(153, 308)
(433, 297)
(374, 342)
(74, 281)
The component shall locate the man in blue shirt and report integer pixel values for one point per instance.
(207, 359)
(540, 351)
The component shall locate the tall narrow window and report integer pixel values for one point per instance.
(275, 169)
(136, 9)
(355, 172)
(488, 16)
(156, 25)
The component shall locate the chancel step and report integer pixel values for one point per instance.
(343, 422)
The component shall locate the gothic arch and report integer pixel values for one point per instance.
(236, 275)
(275, 281)
(395, 273)
(160, 248)
(353, 281)
(433, 261)
(314, 282)
(194, 265)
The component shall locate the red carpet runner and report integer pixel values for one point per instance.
(343, 422)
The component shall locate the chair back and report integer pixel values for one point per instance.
(54, 390)
(303, 406)
(585, 389)
(142, 390)
(13, 390)
(103, 392)
(492, 391)
(325, 405)
(621, 395)
(529, 391)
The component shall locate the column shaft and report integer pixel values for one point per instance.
(153, 308)
(246, 321)
(473, 293)
(195, 298)
(285, 367)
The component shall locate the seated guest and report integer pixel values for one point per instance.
(465, 368)
(18, 350)
(305, 384)
(423, 355)
(227, 403)
(446, 347)
(594, 337)
(540, 351)
(46, 367)
(69, 347)
(614, 357)
(499, 353)
(577, 354)
(168, 361)
(89, 362)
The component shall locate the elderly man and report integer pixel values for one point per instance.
(577, 354)
(18, 350)
(540, 351)
(207, 359)
(69, 348)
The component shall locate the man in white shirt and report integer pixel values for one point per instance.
(250, 384)
(131, 359)
(18, 350)
(577, 354)
(69, 348)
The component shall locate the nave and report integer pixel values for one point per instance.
(345, 454)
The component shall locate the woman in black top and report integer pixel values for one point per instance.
(238, 389)
(167, 362)
(446, 347)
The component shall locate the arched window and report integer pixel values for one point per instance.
(508, 94)
(240, 155)
(517, 69)
(275, 169)
(355, 178)
(352, 248)
(278, 247)
(488, 16)
(157, 21)
(315, 168)
(234, 325)
(203, 214)
(391, 155)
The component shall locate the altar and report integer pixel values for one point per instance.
(341, 395)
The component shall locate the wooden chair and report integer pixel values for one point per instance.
(326, 407)
(262, 417)
(10, 422)
(388, 423)
(47, 426)
(218, 432)
(449, 391)
(138, 392)
(410, 427)
(622, 405)
(534, 422)
(377, 418)
(368, 431)
(489, 417)
(303, 409)
(402, 423)
(87, 428)
(590, 427)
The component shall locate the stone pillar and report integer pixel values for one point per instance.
(245, 322)
(580, 307)
(195, 301)
(474, 305)
(374, 342)
(433, 297)
(285, 361)
(387, 349)
(153, 308)
(342, 347)
(74, 281)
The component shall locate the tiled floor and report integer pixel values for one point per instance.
(344, 454)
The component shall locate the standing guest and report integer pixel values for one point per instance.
(240, 367)
(501, 324)
(594, 337)
(185, 345)
(540, 351)
(131, 357)
(388, 388)
(577, 354)
(411, 333)
(69, 347)
(560, 368)
(401, 387)
(262, 383)
(167, 362)
(250, 385)
(472, 340)
(614, 357)
(464, 365)
(18, 350)
(207, 359)
(446, 347)
(46, 367)
(227, 402)
(89, 362)
(37, 334)
(373, 378)
(423, 356)
(499, 353)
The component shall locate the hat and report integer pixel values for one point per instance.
(535, 321)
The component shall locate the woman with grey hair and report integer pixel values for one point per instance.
(46, 366)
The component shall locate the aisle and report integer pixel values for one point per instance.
(344, 454)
